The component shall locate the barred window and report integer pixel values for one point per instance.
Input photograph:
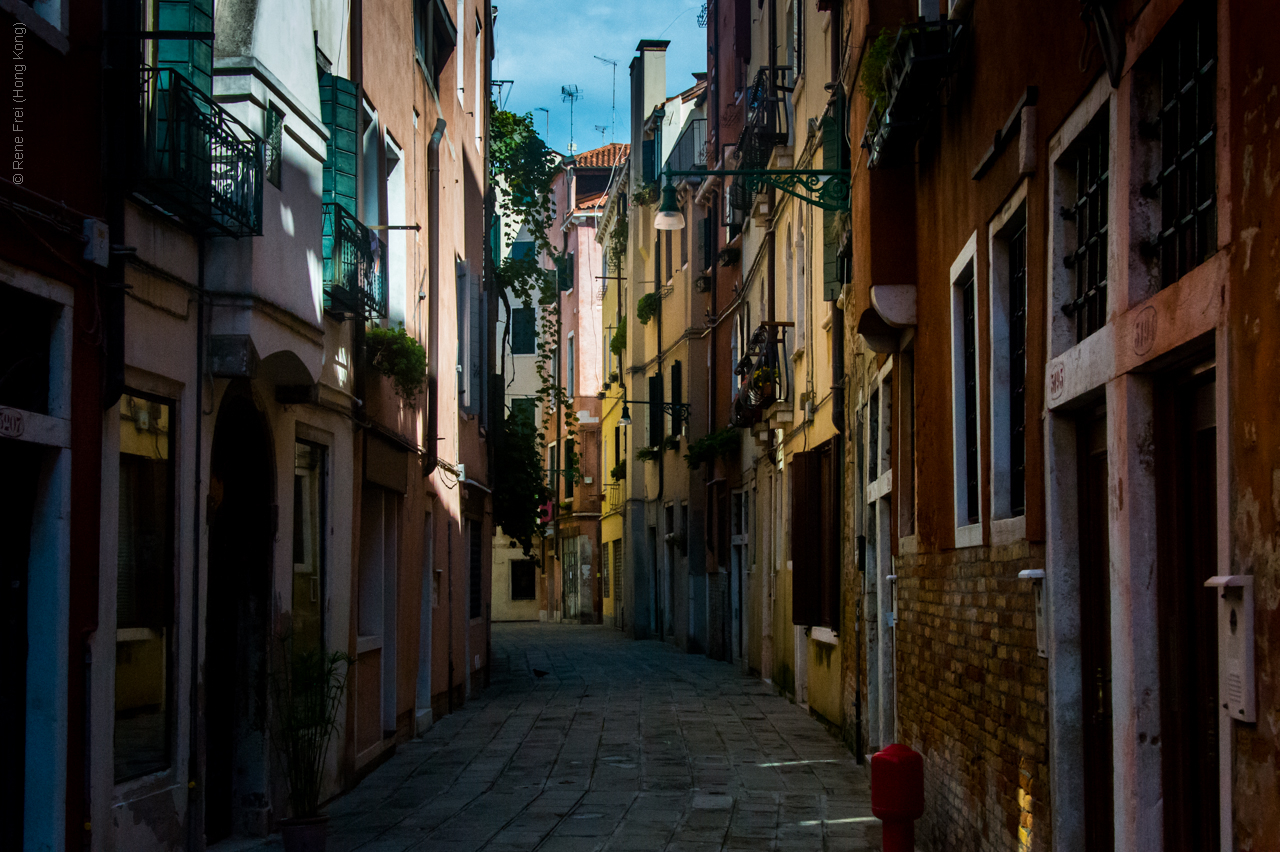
(1187, 180)
(1089, 259)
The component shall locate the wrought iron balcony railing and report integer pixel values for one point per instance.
(761, 376)
(768, 124)
(918, 61)
(614, 498)
(690, 151)
(198, 161)
(355, 265)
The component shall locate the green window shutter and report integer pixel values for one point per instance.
(192, 59)
(338, 112)
(649, 160)
(656, 423)
(833, 157)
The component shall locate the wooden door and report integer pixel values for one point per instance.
(1187, 556)
(1095, 637)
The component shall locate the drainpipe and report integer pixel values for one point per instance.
(195, 798)
(431, 453)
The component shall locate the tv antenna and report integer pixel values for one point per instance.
(502, 86)
(602, 128)
(613, 107)
(547, 135)
(569, 94)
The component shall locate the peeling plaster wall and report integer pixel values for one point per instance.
(1253, 350)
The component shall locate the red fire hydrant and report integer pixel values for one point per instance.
(897, 795)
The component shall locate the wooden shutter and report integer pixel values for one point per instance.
(338, 111)
(806, 548)
(829, 539)
(677, 395)
(649, 161)
(656, 432)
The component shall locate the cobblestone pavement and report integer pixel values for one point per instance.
(620, 746)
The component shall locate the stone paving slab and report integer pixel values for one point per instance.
(621, 747)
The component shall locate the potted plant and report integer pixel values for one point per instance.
(399, 357)
(646, 307)
(619, 470)
(648, 454)
(306, 690)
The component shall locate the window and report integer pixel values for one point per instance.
(667, 253)
(905, 474)
(1187, 181)
(144, 588)
(475, 584)
(1009, 359)
(617, 563)
(964, 394)
(308, 547)
(604, 575)
(677, 395)
(338, 111)
(970, 383)
(434, 38)
(570, 467)
(192, 58)
(523, 334)
(272, 134)
(656, 414)
(462, 52)
(524, 580)
(684, 244)
(478, 84)
(471, 327)
(571, 388)
(1090, 155)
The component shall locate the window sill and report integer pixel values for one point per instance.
(364, 644)
(825, 635)
(969, 536)
(1008, 530)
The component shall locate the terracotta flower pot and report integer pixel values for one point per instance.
(304, 835)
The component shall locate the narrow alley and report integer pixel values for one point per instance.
(589, 741)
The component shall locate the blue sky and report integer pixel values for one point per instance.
(543, 46)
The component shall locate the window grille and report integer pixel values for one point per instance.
(1018, 371)
(1187, 180)
(273, 137)
(968, 301)
(1089, 260)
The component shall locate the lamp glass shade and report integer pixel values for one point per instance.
(625, 419)
(669, 217)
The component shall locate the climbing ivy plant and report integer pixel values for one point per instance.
(522, 163)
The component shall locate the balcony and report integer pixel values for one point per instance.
(768, 124)
(690, 151)
(355, 266)
(918, 61)
(198, 162)
(761, 377)
(614, 498)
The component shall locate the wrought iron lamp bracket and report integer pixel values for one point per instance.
(824, 188)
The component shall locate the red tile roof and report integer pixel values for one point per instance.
(595, 201)
(603, 158)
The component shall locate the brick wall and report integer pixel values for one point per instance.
(972, 697)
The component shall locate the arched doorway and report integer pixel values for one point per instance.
(238, 623)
